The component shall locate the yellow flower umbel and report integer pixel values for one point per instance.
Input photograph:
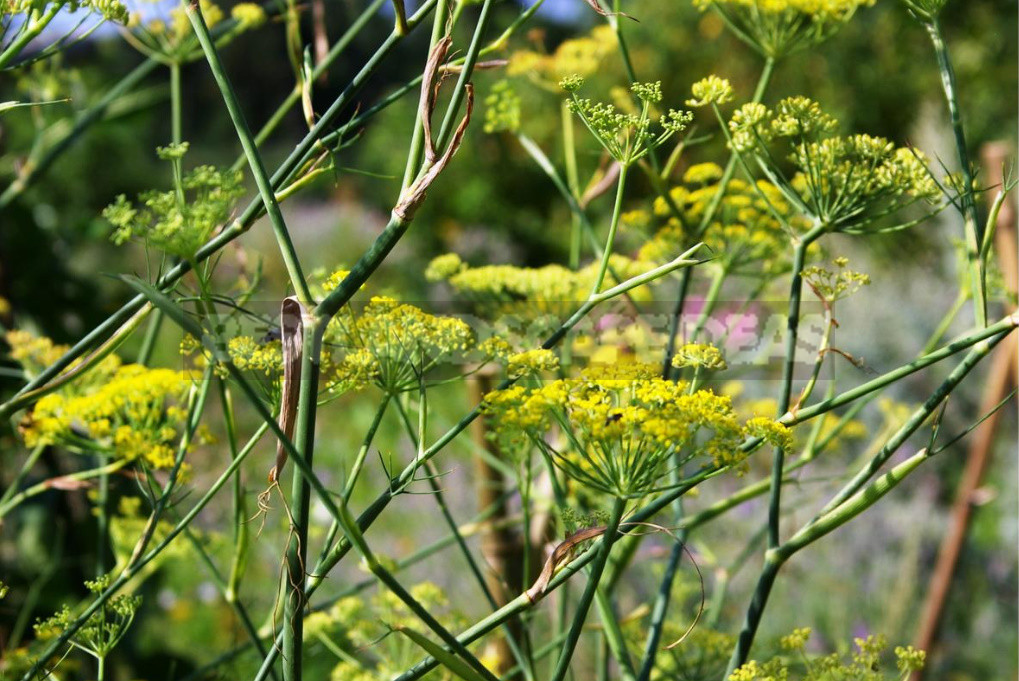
(582, 56)
(136, 415)
(746, 233)
(175, 41)
(844, 183)
(776, 28)
(395, 344)
(622, 427)
(528, 291)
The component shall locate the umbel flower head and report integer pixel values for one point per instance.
(111, 10)
(103, 630)
(623, 427)
(846, 183)
(181, 220)
(582, 56)
(136, 415)
(627, 137)
(175, 41)
(747, 232)
(394, 344)
(776, 28)
(531, 292)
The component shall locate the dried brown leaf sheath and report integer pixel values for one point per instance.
(435, 162)
(292, 327)
(561, 553)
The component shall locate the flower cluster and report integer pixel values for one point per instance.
(581, 56)
(699, 356)
(710, 91)
(531, 291)
(103, 630)
(394, 344)
(623, 427)
(843, 182)
(502, 108)
(835, 285)
(113, 10)
(863, 664)
(135, 415)
(776, 28)
(181, 220)
(746, 230)
(531, 362)
(627, 137)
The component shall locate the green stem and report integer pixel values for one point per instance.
(362, 453)
(614, 634)
(584, 604)
(36, 24)
(617, 210)
(792, 336)
(176, 134)
(1004, 326)
(238, 561)
(973, 357)
(14, 484)
(972, 227)
(297, 549)
(466, 72)
(572, 182)
(16, 500)
(102, 524)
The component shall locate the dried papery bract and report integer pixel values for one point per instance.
(435, 162)
(292, 327)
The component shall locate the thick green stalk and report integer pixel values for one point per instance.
(584, 604)
(572, 182)
(791, 339)
(262, 181)
(614, 638)
(238, 561)
(297, 548)
(972, 228)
